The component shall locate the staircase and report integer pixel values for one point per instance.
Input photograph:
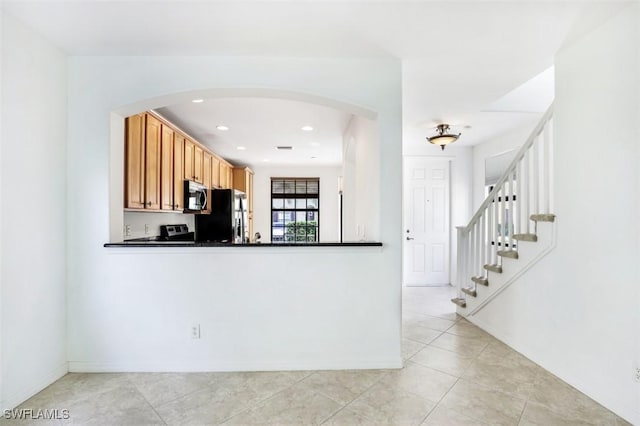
(513, 228)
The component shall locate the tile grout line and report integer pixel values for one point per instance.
(262, 402)
(359, 395)
(146, 400)
(522, 412)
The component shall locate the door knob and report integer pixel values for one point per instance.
(409, 238)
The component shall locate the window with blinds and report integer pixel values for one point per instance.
(295, 210)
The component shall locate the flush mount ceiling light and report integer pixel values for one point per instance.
(241, 148)
(306, 128)
(197, 101)
(223, 128)
(443, 138)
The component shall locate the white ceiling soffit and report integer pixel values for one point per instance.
(534, 96)
(259, 125)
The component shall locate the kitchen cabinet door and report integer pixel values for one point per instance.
(166, 169)
(189, 155)
(224, 176)
(206, 169)
(197, 164)
(178, 172)
(215, 172)
(250, 204)
(152, 163)
(243, 181)
(134, 162)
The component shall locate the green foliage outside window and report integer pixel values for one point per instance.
(303, 231)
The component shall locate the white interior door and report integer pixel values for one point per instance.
(426, 222)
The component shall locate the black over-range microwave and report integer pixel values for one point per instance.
(195, 197)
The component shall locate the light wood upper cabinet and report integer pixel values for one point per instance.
(189, 155)
(206, 169)
(158, 159)
(166, 169)
(178, 171)
(243, 181)
(197, 164)
(226, 175)
(250, 208)
(215, 172)
(134, 162)
(152, 163)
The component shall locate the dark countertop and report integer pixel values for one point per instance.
(157, 243)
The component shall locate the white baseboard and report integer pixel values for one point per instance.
(209, 366)
(29, 389)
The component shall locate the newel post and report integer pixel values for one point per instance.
(461, 270)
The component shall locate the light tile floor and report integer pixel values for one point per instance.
(454, 374)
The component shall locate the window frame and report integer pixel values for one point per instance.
(295, 209)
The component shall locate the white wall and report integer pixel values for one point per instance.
(32, 222)
(329, 213)
(508, 142)
(576, 313)
(361, 181)
(461, 184)
(130, 309)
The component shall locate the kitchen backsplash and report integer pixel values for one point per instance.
(141, 224)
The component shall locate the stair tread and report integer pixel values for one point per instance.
(460, 302)
(511, 254)
(470, 291)
(525, 237)
(493, 268)
(480, 280)
(545, 217)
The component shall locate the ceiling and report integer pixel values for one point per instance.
(460, 59)
(259, 125)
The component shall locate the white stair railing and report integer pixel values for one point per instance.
(524, 189)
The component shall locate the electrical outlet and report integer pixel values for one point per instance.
(146, 229)
(195, 331)
(636, 375)
(127, 230)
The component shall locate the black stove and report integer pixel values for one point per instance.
(175, 233)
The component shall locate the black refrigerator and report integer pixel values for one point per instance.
(227, 222)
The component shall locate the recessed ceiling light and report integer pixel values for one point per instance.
(266, 160)
(241, 148)
(314, 143)
(223, 128)
(307, 128)
(197, 101)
